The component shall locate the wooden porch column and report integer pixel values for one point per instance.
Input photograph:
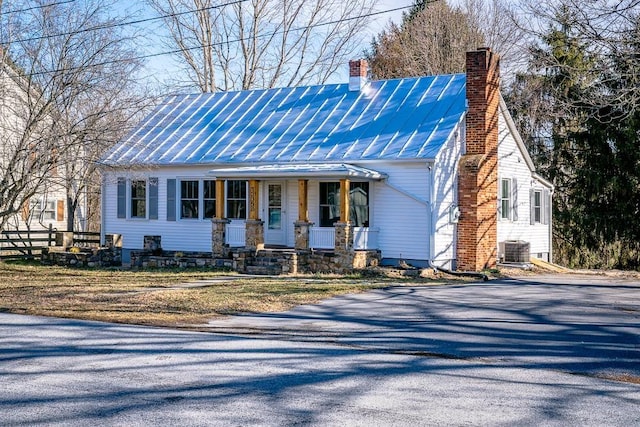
(302, 225)
(303, 196)
(253, 199)
(219, 199)
(254, 227)
(344, 200)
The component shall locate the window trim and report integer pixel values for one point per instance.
(366, 223)
(328, 205)
(537, 207)
(130, 198)
(337, 205)
(39, 213)
(227, 199)
(505, 214)
(197, 199)
(204, 199)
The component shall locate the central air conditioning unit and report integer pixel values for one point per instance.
(516, 251)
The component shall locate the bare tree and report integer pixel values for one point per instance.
(432, 39)
(262, 43)
(68, 96)
(499, 23)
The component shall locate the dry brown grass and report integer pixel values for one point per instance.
(160, 297)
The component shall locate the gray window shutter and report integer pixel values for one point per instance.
(153, 198)
(546, 207)
(532, 206)
(514, 199)
(171, 200)
(122, 198)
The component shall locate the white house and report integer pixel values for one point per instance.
(41, 204)
(425, 169)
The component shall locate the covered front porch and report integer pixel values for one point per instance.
(320, 238)
(278, 220)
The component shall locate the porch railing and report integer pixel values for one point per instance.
(322, 238)
(325, 238)
(235, 235)
(365, 238)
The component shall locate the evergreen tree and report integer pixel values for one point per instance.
(579, 117)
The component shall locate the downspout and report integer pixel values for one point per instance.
(103, 217)
(432, 237)
(551, 225)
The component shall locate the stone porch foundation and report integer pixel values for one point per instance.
(272, 262)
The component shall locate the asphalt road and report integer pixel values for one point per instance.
(535, 352)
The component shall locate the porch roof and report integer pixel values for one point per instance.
(309, 170)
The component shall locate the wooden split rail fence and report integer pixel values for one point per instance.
(28, 244)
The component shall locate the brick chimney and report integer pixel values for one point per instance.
(478, 169)
(358, 70)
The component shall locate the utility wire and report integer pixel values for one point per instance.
(121, 24)
(177, 51)
(42, 6)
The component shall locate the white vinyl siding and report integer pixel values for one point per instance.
(400, 210)
(519, 224)
(445, 199)
(401, 220)
(185, 235)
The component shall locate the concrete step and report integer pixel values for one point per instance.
(265, 270)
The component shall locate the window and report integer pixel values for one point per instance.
(508, 199)
(537, 206)
(329, 203)
(49, 211)
(43, 210)
(540, 203)
(505, 198)
(209, 198)
(236, 199)
(138, 199)
(189, 199)
(359, 204)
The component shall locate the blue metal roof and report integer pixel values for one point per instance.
(408, 118)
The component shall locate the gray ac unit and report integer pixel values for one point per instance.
(516, 251)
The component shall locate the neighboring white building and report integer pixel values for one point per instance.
(47, 207)
(273, 168)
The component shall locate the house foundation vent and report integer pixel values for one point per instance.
(514, 251)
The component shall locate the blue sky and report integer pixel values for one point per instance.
(160, 66)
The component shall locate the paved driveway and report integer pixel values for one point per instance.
(499, 353)
(579, 324)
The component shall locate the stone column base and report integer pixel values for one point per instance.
(254, 237)
(218, 246)
(344, 244)
(301, 232)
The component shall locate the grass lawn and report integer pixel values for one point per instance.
(160, 297)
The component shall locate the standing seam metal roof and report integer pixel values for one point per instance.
(400, 119)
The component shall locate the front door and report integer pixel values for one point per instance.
(274, 233)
